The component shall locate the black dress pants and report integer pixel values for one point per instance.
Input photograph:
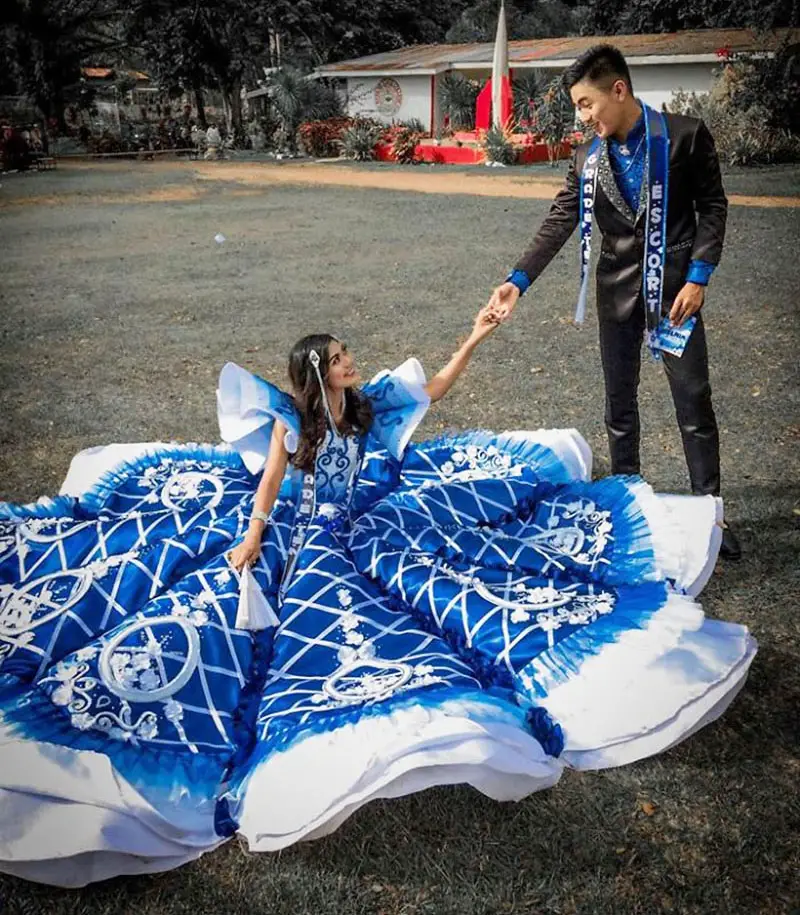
(621, 352)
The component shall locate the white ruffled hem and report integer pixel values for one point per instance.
(568, 445)
(70, 844)
(89, 466)
(651, 688)
(695, 523)
(88, 779)
(309, 789)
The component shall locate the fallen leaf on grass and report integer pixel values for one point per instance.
(648, 808)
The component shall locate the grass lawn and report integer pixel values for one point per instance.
(118, 310)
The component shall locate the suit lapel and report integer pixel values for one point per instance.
(607, 181)
(644, 189)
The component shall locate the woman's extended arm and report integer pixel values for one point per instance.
(249, 549)
(441, 383)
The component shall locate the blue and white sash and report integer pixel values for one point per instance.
(657, 146)
(588, 188)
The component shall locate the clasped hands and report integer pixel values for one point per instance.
(687, 302)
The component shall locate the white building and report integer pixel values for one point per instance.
(402, 84)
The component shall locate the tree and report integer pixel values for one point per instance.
(48, 41)
(647, 16)
(524, 20)
(315, 32)
(191, 44)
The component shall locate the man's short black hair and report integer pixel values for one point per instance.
(602, 65)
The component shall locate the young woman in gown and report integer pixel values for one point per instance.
(262, 636)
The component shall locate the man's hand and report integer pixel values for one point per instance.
(503, 300)
(688, 301)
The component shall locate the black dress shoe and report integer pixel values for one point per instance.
(730, 548)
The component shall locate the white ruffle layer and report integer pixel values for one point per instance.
(652, 687)
(324, 778)
(69, 818)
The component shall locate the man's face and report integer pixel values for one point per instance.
(602, 108)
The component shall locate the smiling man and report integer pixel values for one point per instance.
(652, 184)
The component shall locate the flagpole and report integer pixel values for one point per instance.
(499, 68)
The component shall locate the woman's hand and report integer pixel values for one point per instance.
(503, 300)
(246, 553)
(486, 323)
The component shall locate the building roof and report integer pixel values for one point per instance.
(671, 47)
(109, 72)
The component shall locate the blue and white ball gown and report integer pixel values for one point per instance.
(465, 610)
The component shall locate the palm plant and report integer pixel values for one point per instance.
(294, 98)
(527, 90)
(457, 98)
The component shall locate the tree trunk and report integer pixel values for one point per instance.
(201, 108)
(232, 97)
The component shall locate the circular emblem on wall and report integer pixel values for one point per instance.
(388, 96)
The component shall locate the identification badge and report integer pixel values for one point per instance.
(673, 340)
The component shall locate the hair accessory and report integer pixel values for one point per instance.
(313, 358)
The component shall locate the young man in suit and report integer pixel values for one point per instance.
(643, 275)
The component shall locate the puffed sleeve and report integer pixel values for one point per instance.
(399, 403)
(247, 407)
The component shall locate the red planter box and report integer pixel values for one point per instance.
(468, 155)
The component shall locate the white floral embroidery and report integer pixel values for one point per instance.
(475, 463)
(349, 621)
(577, 530)
(82, 721)
(222, 578)
(99, 568)
(192, 489)
(361, 675)
(550, 606)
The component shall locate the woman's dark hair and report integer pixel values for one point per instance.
(309, 402)
(602, 65)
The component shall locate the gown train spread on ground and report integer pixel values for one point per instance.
(470, 609)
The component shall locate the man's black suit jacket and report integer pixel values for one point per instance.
(696, 214)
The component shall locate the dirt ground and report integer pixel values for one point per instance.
(118, 309)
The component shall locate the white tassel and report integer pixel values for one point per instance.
(254, 612)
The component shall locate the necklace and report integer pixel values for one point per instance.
(633, 157)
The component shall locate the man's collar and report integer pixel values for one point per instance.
(634, 134)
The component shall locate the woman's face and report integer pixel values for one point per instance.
(342, 372)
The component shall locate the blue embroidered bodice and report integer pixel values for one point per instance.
(336, 465)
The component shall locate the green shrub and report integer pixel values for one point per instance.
(320, 139)
(742, 136)
(405, 144)
(498, 147)
(359, 140)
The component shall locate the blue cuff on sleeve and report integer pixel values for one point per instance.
(700, 272)
(520, 279)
